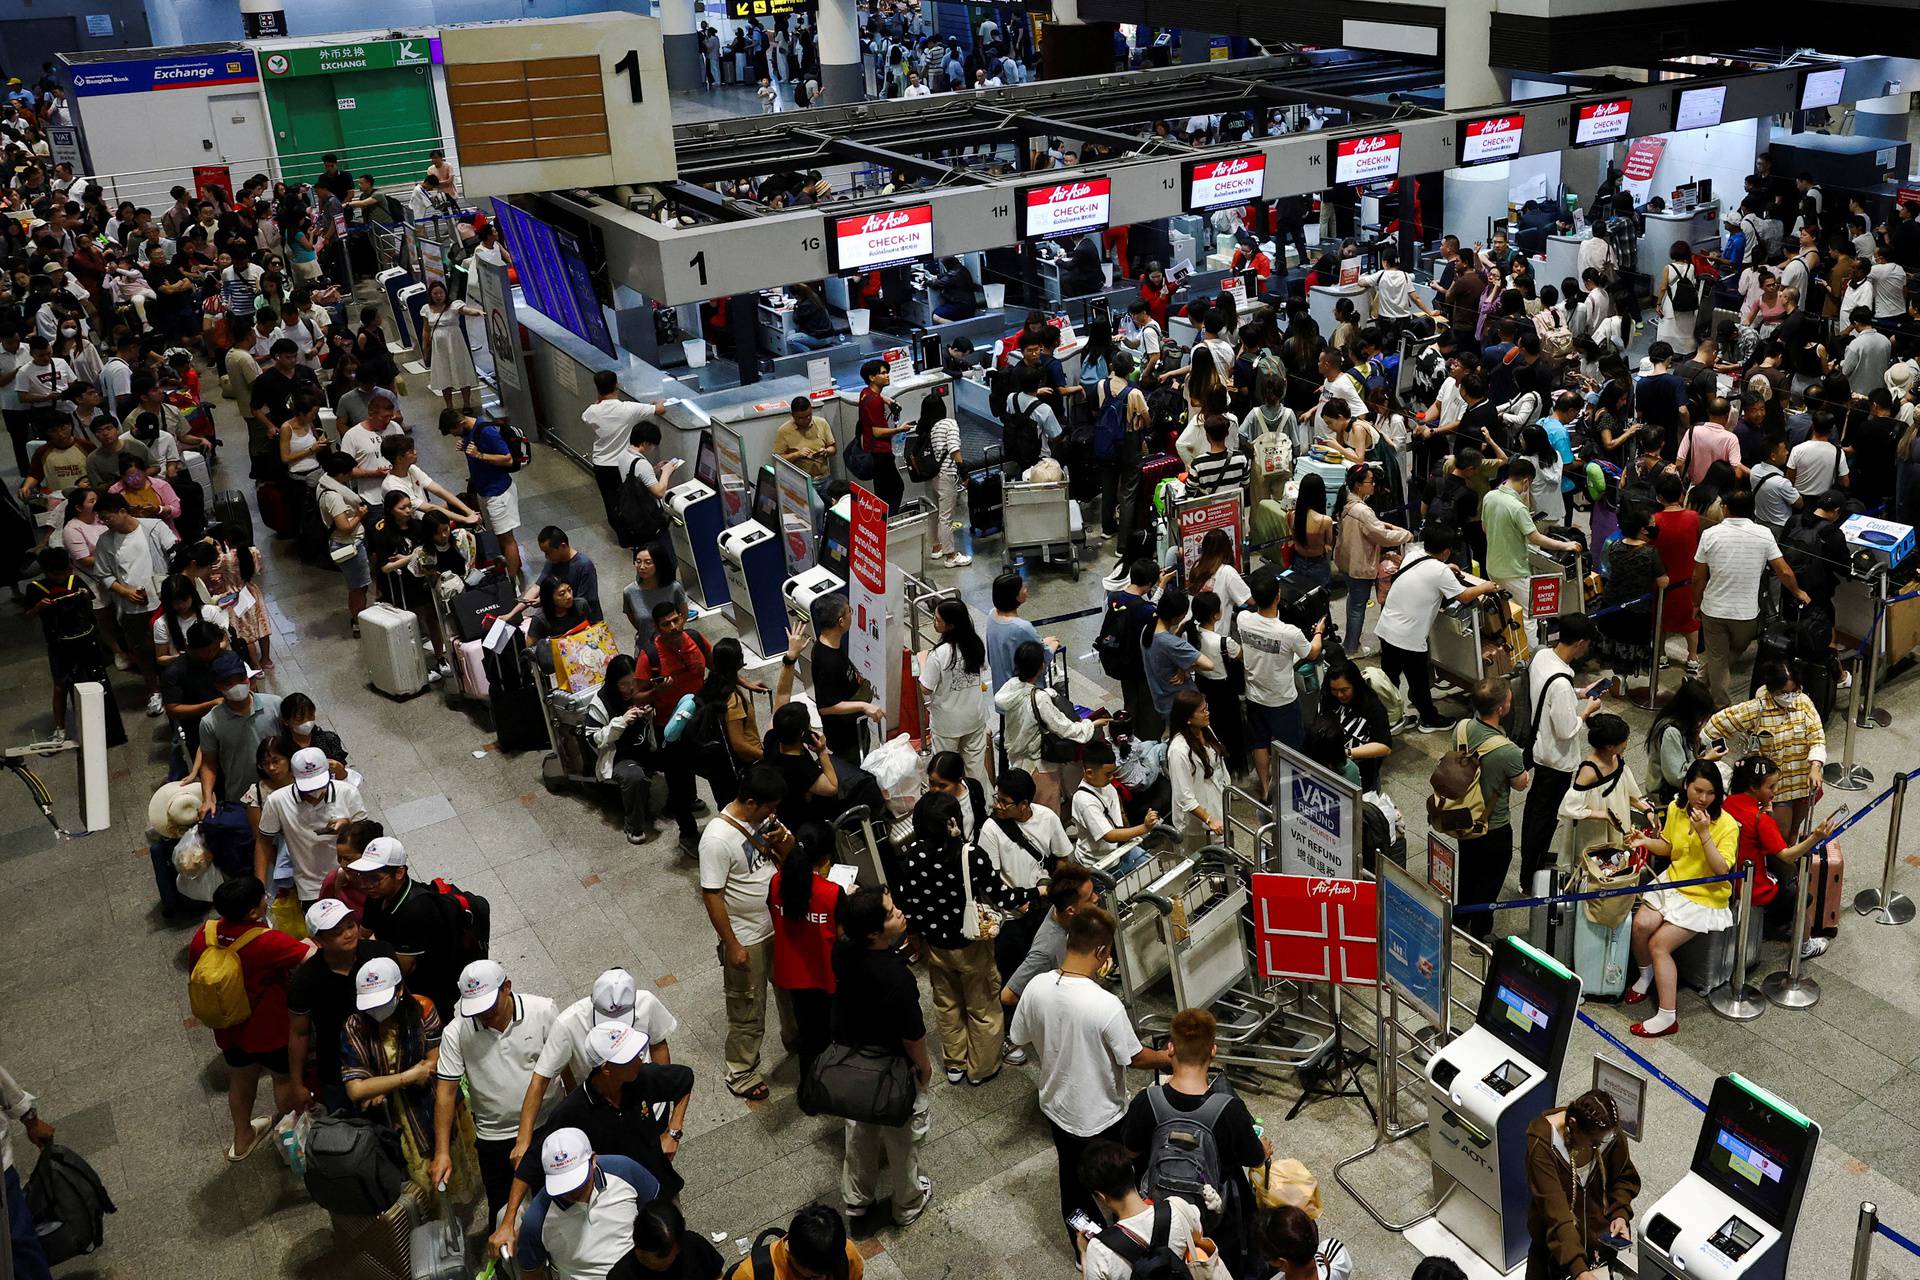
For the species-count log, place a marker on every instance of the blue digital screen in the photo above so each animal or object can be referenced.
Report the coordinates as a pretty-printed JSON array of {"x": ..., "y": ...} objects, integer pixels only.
[{"x": 554, "y": 277}]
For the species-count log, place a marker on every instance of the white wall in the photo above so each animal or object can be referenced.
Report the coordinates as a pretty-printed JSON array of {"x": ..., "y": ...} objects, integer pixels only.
[
  {"x": 1724, "y": 154},
  {"x": 1473, "y": 196},
  {"x": 154, "y": 139}
]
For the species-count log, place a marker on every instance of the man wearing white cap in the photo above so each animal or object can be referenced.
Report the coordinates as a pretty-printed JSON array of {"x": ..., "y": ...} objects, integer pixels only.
[
  {"x": 320, "y": 999},
  {"x": 615, "y": 998},
  {"x": 307, "y": 815},
  {"x": 418, "y": 923},
  {"x": 493, "y": 1044},
  {"x": 581, "y": 1222},
  {"x": 614, "y": 1108}
]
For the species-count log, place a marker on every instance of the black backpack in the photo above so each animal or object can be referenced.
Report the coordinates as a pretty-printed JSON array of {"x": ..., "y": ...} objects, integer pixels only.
[
  {"x": 1121, "y": 642},
  {"x": 69, "y": 1204},
  {"x": 354, "y": 1166},
  {"x": 638, "y": 517},
  {"x": 1802, "y": 550},
  {"x": 519, "y": 447},
  {"x": 1685, "y": 290},
  {"x": 921, "y": 464},
  {"x": 1020, "y": 435},
  {"x": 1153, "y": 1258}
]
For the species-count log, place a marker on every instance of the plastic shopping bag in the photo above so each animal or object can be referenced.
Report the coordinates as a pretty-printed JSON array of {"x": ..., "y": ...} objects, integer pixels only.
[
  {"x": 895, "y": 765},
  {"x": 290, "y": 1134}
]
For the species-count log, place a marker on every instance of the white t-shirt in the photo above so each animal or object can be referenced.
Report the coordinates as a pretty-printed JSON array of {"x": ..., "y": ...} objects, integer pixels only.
[
  {"x": 1102, "y": 1263},
  {"x": 1413, "y": 602},
  {"x": 956, "y": 697},
  {"x": 1016, "y": 862},
  {"x": 741, "y": 874},
  {"x": 413, "y": 484},
  {"x": 212, "y": 613},
  {"x": 1085, "y": 1041},
  {"x": 498, "y": 1064},
  {"x": 566, "y": 1043},
  {"x": 10, "y": 393},
  {"x": 1232, "y": 590},
  {"x": 613, "y": 422},
  {"x": 1736, "y": 552},
  {"x": 1889, "y": 289},
  {"x": 1817, "y": 466},
  {"x": 303, "y": 335},
  {"x": 1393, "y": 292},
  {"x": 1270, "y": 647},
  {"x": 301, "y": 825},
  {"x": 363, "y": 445},
  {"x": 1096, "y": 811}
]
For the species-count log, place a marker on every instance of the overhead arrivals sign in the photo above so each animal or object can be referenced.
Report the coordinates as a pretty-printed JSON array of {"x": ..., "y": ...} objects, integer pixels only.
[
  {"x": 884, "y": 238},
  {"x": 1216, "y": 184},
  {"x": 1065, "y": 208},
  {"x": 359, "y": 55}
]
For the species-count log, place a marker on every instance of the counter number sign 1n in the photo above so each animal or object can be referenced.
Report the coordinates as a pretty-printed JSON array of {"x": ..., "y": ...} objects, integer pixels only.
[{"x": 1373, "y": 157}]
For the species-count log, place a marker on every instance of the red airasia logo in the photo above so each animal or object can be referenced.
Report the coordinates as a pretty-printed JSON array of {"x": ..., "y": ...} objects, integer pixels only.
[
  {"x": 1499, "y": 124},
  {"x": 1075, "y": 191}
]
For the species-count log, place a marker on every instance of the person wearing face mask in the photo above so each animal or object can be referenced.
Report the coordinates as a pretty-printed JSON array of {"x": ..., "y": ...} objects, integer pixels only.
[
  {"x": 1085, "y": 1042},
  {"x": 130, "y": 560},
  {"x": 1582, "y": 1182},
  {"x": 300, "y": 720},
  {"x": 258, "y": 1042},
  {"x": 1785, "y": 726},
  {"x": 308, "y": 815},
  {"x": 389, "y": 1053},
  {"x": 230, "y": 735}
]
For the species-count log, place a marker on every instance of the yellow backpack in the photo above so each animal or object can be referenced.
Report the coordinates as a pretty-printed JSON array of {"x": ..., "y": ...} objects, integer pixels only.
[{"x": 217, "y": 988}]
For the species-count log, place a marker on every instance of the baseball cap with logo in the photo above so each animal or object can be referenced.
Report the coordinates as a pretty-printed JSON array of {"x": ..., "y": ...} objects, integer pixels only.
[
  {"x": 613, "y": 997},
  {"x": 566, "y": 1157},
  {"x": 328, "y": 913},
  {"x": 381, "y": 852},
  {"x": 480, "y": 984},
  {"x": 616, "y": 1043},
  {"x": 310, "y": 769},
  {"x": 376, "y": 983}
]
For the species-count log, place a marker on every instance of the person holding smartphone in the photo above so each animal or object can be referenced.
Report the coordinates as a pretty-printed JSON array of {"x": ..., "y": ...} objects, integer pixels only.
[
  {"x": 1560, "y": 711},
  {"x": 1582, "y": 1184}
]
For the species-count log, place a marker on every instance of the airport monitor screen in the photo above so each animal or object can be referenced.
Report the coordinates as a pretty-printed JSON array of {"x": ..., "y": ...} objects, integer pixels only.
[
  {"x": 1822, "y": 87},
  {"x": 1598, "y": 122},
  {"x": 1699, "y": 108},
  {"x": 883, "y": 238},
  {"x": 1228, "y": 180},
  {"x": 1373, "y": 157},
  {"x": 1491, "y": 138},
  {"x": 1067, "y": 207}
]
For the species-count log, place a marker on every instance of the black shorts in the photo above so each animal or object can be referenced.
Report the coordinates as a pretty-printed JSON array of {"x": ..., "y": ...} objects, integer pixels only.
[
  {"x": 72, "y": 661},
  {"x": 274, "y": 1060}
]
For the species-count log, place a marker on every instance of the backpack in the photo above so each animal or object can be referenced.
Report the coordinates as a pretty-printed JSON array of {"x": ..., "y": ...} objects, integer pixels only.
[
  {"x": 1684, "y": 292},
  {"x": 1120, "y": 644},
  {"x": 1387, "y": 689},
  {"x": 354, "y": 1166},
  {"x": 1152, "y": 1258},
  {"x": 637, "y": 515},
  {"x": 68, "y": 1203},
  {"x": 1110, "y": 428},
  {"x": 519, "y": 448},
  {"x": 1020, "y": 435},
  {"x": 999, "y": 389},
  {"x": 692, "y": 719},
  {"x": 1183, "y": 1156},
  {"x": 1458, "y": 805},
  {"x": 217, "y": 989},
  {"x": 759, "y": 1263},
  {"x": 474, "y": 917},
  {"x": 1539, "y": 709},
  {"x": 921, "y": 464}
]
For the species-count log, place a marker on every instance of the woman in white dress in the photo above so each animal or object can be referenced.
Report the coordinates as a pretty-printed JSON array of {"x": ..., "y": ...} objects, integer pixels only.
[
  {"x": 1676, "y": 325},
  {"x": 449, "y": 360}
]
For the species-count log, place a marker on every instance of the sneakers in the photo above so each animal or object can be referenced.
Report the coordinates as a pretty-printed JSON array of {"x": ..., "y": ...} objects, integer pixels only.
[
  {"x": 435, "y": 674},
  {"x": 60, "y": 735},
  {"x": 1693, "y": 671},
  {"x": 1012, "y": 1054},
  {"x": 1813, "y": 947},
  {"x": 121, "y": 662},
  {"x": 958, "y": 561},
  {"x": 1433, "y": 726},
  {"x": 909, "y": 1217},
  {"x": 1405, "y": 723},
  {"x": 154, "y": 706},
  {"x": 639, "y": 837},
  {"x": 955, "y": 1075}
]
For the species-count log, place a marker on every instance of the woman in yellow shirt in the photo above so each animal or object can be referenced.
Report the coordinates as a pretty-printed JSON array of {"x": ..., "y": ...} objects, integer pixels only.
[{"x": 1701, "y": 841}]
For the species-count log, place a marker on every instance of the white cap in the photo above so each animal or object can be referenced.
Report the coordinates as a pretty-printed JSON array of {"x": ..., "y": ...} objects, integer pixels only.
[
  {"x": 381, "y": 852},
  {"x": 328, "y": 913},
  {"x": 480, "y": 984},
  {"x": 613, "y": 997},
  {"x": 310, "y": 769},
  {"x": 616, "y": 1043},
  {"x": 376, "y": 983},
  {"x": 567, "y": 1158}
]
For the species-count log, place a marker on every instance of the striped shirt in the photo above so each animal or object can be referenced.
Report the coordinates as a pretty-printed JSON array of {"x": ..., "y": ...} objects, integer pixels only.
[{"x": 1227, "y": 469}]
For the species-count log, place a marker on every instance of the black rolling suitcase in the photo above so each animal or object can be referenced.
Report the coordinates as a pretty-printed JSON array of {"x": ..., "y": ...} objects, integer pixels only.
[
  {"x": 230, "y": 509},
  {"x": 514, "y": 689},
  {"x": 986, "y": 488}
]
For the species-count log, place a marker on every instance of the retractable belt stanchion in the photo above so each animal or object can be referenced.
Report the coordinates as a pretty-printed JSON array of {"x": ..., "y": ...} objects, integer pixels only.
[
  {"x": 1737, "y": 1000},
  {"x": 1870, "y": 716},
  {"x": 1863, "y": 1240},
  {"x": 1883, "y": 905},
  {"x": 1788, "y": 988},
  {"x": 1649, "y": 698},
  {"x": 1846, "y": 775}
]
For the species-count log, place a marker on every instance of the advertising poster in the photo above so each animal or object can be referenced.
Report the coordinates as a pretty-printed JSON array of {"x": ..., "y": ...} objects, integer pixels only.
[
  {"x": 1643, "y": 157},
  {"x": 1319, "y": 817},
  {"x": 1413, "y": 941},
  {"x": 503, "y": 331},
  {"x": 729, "y": 454},
  {"x": 794, "y": 490},
  {"x": 867, "y": 587},
  {"x": 1199, "y": 517},
  {"x": 208, "y": 176},
  {"x": 1443, "y": 859},
  {"x": 1316, "y": 929}
]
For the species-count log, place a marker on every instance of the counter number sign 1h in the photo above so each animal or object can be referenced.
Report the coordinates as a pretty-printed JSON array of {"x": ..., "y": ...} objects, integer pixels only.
[
  {"x": 1597, "y": 122},
  {"x": 1373, "y": 157},
  {"x": 1490, "y": 139},
  {"x": 1226, "y": 181},
  {"x": 883, "y": 238},
  {"x": 1065, "y": 208}
]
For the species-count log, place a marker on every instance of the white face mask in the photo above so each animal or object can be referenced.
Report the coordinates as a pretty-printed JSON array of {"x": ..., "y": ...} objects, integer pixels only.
[
  {"x": 385, "y": 1011},
  {"x": 237, "y": 693},
  {"x": 304, "y": 727}
]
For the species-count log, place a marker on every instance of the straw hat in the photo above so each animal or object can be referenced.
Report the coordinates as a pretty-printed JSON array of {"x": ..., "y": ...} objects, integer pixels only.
[{"x": 174, "y": 808}]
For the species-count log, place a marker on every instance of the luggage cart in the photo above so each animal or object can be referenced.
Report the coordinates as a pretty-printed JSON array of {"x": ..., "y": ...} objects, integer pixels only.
[
  {"x": 858, "y": 836},
  {"x": 1043, "y": 518},
  {"x": 1571, "y": 569},
  {"x": 1140, "y": 959}
]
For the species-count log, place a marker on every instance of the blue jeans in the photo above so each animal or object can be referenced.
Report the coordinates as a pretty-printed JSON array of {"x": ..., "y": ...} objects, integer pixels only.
[
  {"x": 1317, "y": 570},
  {"x": 1358, "y": 593},
  {"x": 165, "y": 878},
  {"x": 29, "y": 1259},
  {"x": 807, "y": 342}
]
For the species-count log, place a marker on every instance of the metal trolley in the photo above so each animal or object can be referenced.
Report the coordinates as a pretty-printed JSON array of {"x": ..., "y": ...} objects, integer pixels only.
[{"x": 1042, "y": 517}]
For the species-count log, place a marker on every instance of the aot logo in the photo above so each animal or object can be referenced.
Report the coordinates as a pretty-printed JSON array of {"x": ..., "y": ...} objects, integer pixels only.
[{"x": 1316, "y": 803}]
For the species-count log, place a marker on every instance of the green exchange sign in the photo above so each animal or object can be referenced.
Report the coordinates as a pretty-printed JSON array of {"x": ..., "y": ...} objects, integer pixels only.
[{"x": 360, "y": 55}]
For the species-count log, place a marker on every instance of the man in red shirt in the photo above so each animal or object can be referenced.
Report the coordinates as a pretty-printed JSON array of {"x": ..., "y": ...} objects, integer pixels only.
[
  {"x": 877, "y": 430},
  {"x": 674, "y": 664},
  {"x": 267, "y": 958}
]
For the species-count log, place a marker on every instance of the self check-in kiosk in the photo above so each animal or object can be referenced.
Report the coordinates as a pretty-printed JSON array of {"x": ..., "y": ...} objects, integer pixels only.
[
  {"x": 695, "y": 518},
  {"x": 1732, "y": 1216},
  {"x": 1485, "y": 1087},
  {"x": 755, "y": 567}
]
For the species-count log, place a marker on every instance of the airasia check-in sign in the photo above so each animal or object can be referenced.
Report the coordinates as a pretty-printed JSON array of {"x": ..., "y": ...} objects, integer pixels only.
[
  {"x": 1372, "y": 158},
  {"x": 1215, "y": 184},
  {"x": 1066, "y": 208},
  {"x": 1601, "y": 121},
  {"x": 1495, "y": 138},
  {"x": 884, "y": 238}
]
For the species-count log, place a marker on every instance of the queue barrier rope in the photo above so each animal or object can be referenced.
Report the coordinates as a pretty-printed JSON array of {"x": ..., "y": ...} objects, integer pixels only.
[
  {"x": 1516, "y": 904},
  {"x": 1881, "y": 1228},
  {"x": 1639, "y": 1060}
]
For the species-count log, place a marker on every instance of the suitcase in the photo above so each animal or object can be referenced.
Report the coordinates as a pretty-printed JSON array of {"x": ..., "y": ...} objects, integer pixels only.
[
  {"x": 193, "y": 463},
  {"x": 390, "y": 649},
  {"x": 1825, "y": 883},
  {"x": 276, "y": 506},
  {"x": 1705, "y": 963},
  {"x": 437, "y": 1249},
  {"x": 379, "y": 1247},
  {"x": 468, "y": 660},
  {"x": 1819, "y": 679},
  {"x": 1601, "y": 955},
  {"x": 514, "y": 689},
  {"x": 475, "y": 609},
  {"x": 191, "y": 523},
  {"x": 986, "y": 514},
  {"x": 230, "y": 509}
]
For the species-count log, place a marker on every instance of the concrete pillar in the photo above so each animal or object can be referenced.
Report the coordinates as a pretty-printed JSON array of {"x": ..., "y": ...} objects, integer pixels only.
[
  {"x": 1469, "y": 48},
  {"x": 679, "y": 33},
  {"x": 841, "y": 76}
]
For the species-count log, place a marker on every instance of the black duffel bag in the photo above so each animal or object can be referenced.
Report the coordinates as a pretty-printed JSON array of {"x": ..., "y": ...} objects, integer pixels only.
[
  {"x": 355, "y": 1167},
  {"x": 869, "y": 1085}
]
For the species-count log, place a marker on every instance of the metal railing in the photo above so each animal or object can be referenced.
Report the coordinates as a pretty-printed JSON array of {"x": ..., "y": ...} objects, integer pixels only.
[{"x": 396, "y": 166}]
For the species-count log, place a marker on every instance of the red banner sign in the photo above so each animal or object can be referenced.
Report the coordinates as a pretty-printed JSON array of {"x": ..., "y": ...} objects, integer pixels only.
[
  {"x": 1314, "y": 929},
  {"x": 1543, "y": 594}
]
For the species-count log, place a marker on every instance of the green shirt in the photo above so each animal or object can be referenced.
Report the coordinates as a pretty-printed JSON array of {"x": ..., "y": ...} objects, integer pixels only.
[
  {"x": 1509, "y": 524},
  {"x": 1498, "y": 769}
]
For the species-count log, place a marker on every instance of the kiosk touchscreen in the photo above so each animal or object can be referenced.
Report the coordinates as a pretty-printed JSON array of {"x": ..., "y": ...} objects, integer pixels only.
[
  {"x": 1485, "y": 1087},
  {"x": 1732, "y": 1216}
]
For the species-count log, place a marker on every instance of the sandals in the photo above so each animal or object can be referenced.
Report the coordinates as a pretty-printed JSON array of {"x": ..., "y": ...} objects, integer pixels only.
[
  {"x": 759, "y": 1093},
  {"x": 260, "y": 1126}
]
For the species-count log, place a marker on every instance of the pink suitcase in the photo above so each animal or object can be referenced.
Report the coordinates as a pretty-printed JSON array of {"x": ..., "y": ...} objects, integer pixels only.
[{"x": 473, "y": 673}]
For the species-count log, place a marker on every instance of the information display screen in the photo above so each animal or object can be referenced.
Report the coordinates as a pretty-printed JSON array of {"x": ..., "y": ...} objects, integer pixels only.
[
  {"x": 1528, "y": 1003},
  {"x": 1217, "y": 184},
  {"x": 1754, "y": 1151},
  {"x": 1597, "y": 122},
  {"x": 1065, "y": 208},
  {"x": 1494, "y": 138},
  {"x": 1374, "y": 157},
  {"x": 1699, "y": 108},
  {"x": 555, "y": 279},
  {"x": 884, "y": 238},
  {"x": 1821, "y": 88},
  {"x": 706, "y": 465}
]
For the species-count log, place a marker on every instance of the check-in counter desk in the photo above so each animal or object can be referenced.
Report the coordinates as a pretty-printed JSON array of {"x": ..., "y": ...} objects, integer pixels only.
[
  {"x": 1700, "y": 227},
  {"x": 1322, "y": 298},
  {"x": 1563, "y": 260}
]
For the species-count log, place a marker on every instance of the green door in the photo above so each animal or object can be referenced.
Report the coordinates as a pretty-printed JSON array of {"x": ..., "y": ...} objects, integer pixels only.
[{"x": 380, "y": 122}]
